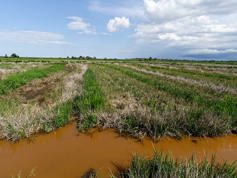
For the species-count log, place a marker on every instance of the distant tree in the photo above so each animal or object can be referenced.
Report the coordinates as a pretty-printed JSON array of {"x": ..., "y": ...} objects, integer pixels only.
[
  {"x": 88, "y": 57},
  {"x": 14, "y": 55},
  {"x": 150, "y": 58},
  {"x": 6, "y": 56}
]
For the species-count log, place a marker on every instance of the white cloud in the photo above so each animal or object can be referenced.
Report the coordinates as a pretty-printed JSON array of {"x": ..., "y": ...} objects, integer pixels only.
[
  {"x": 205, "y": 26},
  {"x": 32, "y": 37},
  {"x": 170, "y": 9},
  {"x": 78, "y": 24},
  {"x": 174, "y": 9},
  {"x": 117, "y": 24},
  {"x": 212, "y": 51}
]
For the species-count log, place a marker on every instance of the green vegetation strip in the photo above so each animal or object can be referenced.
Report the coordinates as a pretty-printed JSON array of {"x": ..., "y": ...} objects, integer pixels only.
[
  {"x": 225, "y": 107},
  {"x": 5, "y": 65},
  {"x": 83, "y": 106},
  {"x": 159, "y": 113},
  {"x": 195, "y": 74},
  {"x": 16, "y": 80},
  {"x": 62, "y": 114},
  {"x": 91, "y": 100},
  {"x": 163, "y": 166}
]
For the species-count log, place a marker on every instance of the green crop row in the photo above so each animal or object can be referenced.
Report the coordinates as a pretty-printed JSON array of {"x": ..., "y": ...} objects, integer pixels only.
[
  {"x": 16, "y": 80},
  {"x": 213, "y": 77},
  {"x": 90, "y": 101},
  {"x": 224, "y": 107}
]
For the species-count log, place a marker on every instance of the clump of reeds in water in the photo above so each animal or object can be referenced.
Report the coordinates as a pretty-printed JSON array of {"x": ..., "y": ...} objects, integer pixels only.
[{"x": 166, "y": 167}]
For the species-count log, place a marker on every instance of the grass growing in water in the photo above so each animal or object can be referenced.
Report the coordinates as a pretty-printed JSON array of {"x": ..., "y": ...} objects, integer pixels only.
[
  {"x": 163, "y": 166},
  {"x": 89, "y": 102},
  {"x": 16, "y": 80}
]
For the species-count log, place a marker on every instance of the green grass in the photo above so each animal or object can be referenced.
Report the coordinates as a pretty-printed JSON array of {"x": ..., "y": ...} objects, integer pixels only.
[
  {"x": 163, "y": 166},
  {"x": 16, "y": 80},
  {"x": 156, "y": 113},
  {"x": 82, "y": 106},
  {"x": 5, "y": 65},
  {"x": 217, "y": 78},
  {"x": 62, "y": 113},
  {"x": 143, "y": 104},
  {"x": 225, "y": 107},
  {"x": 48, "y": 111},
  {"x": 90, "y": 101}
]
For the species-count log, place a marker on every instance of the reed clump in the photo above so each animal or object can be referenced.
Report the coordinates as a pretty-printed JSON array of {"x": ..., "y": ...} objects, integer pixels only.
[{"x": 163, "y": 166}]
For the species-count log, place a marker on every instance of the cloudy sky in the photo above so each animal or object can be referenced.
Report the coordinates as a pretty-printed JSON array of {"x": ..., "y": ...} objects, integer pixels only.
[{"x": 204, "y": 29}]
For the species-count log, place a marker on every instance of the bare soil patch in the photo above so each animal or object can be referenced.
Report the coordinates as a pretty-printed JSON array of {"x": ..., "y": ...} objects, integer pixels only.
[{"x": 38, "y": 89}]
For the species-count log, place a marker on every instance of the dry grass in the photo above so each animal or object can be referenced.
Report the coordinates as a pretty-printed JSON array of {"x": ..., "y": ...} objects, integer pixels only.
[
  {"x": 26, "y": 119},
  {"x": 166, "y": 167},
  {"x": 135, "y": 111},
  {"x": 201, "y": 83}
]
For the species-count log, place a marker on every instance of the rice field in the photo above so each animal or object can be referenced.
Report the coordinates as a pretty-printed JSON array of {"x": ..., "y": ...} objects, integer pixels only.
[{"x": 136, "y": 98}]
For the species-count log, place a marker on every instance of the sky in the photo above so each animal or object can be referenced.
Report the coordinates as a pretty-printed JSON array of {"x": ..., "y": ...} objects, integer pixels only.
[{"x": 183, "y": 29}]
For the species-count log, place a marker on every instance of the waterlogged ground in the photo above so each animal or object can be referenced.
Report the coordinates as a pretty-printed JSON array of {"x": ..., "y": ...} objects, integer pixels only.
[
  {"x": 184, "y": 99},
  {"x": 64, "y": 153}
]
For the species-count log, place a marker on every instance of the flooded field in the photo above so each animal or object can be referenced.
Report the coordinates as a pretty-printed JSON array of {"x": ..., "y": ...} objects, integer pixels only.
[
  {"x": 64, "y": 153},
  {"x": 195, "y": 103}
]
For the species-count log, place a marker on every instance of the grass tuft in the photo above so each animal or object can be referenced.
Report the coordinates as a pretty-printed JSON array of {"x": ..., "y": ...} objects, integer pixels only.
[{"x": 164, "y": 166}]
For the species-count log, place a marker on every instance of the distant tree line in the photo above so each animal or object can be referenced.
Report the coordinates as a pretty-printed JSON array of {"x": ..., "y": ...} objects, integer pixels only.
[
  {"x": 82, "y": 57},
  {"x": 87, "y": 58},
  {"x": 13, "y": 55}
]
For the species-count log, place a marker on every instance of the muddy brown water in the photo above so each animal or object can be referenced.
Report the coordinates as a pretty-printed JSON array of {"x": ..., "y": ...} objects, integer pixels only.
[{"x": 64, "y": 153}]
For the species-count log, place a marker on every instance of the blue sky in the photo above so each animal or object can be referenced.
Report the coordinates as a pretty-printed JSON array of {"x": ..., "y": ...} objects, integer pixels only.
[{"x": 120, "y": 29}]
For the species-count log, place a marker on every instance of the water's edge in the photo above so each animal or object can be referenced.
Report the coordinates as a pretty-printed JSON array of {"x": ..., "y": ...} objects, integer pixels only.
[{"x": 64, "y": 153}]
